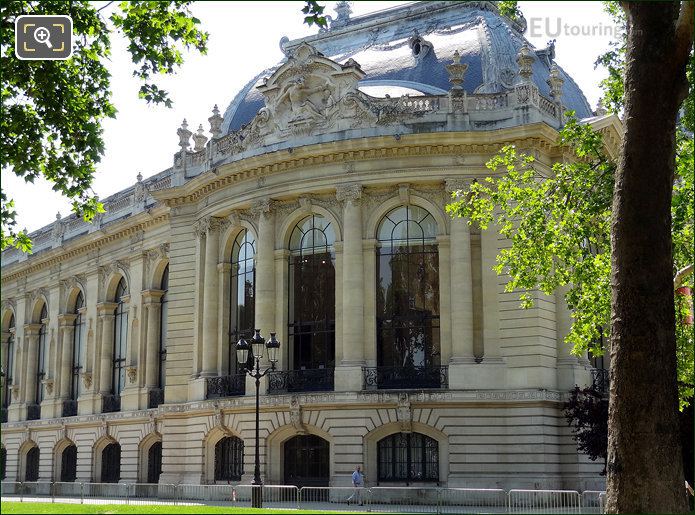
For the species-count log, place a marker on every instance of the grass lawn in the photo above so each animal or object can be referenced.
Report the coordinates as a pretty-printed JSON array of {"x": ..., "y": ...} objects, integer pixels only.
[{"x": 46, "y": 507}]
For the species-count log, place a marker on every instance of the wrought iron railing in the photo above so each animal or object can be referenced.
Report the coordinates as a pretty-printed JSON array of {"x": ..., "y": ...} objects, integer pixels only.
[
  {"x": 69, "y": 408},
  {"x": 404, "y": 378},
  {"x": 33, "y": 412},
  {"x": 111, "y": 403},
  {"x": 600, "y": 380},
  {"x": 308, "y": 380},
  {"x": 3, "y": 414},
  {"x": 155, "y": 397},
  {"x": 225, "y": 386}
]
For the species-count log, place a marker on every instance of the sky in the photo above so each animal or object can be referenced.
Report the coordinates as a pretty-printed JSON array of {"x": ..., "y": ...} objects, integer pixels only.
[{"x": 244, "y": 39}]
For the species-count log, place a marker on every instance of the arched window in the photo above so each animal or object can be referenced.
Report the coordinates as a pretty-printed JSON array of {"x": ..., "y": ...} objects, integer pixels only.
[
  {"x": 163, "y": 328},
  {"x": 312, "y": 294},
  {"x": 408, "y": 346},
  {"x": 68, "y": 464},
  {"x": 120, "y": 339},
  {"x": 31, "y": 470},
  {"x": 243, "y": 292},
  {"x": 41, "y": 356},
  {"x": 111, "y": 463},
  {"x": 409, "y": 457},
  {"x": 7, "y": 382},
  {"x": 154, "y": 462},
  {"x": 78, "y": 348},
  {"x": 229, "y": 459},
  {"x": 306, "y": 461}
]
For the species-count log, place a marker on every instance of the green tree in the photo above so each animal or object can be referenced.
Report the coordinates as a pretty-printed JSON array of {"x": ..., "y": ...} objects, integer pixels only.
[{"x": 52, "y": 111}]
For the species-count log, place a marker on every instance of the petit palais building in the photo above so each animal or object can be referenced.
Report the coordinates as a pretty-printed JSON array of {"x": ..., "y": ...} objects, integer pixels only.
[{"x": 312, "y": 207}]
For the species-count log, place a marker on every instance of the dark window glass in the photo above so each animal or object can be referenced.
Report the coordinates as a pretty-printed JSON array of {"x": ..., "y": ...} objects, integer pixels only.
[
  {"x": 111, "y": 463},
  {"x": 68, "y": 464},
  {"x": 307, "y": 461},
  {"x": 3, "y": 462},
  {"x": 31, "y": 472},
  {"x": 78, "y": 348},
  {"x": 163, "y": 328},
  {"x": 312, "y": 294},
  {"x": 408, "y": 457},
  {"x": 120, "y": 342},
  {"x": 243, "y": 292},
  {"x": 407, "y": 290},
  {"x": 41, "y": 356},
  {"x": 154, "y": 462},
  {"x": 9, "y": 369},
  {"x": 229, "y": 459}
]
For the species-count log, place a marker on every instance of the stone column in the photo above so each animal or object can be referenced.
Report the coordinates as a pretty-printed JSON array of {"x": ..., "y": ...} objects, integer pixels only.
[
  {"x": 67, "y": 325},
  {"x": 224, "y": 275},
  {"x": 106, "y": 316},
  {"x": 210, "y": 300},
  {"x": 462, "y": 357},
  {"x": 152, "y": 299},
  {"x": 31, "y": 344},
  {"x": 265, "y": 269},
  {"x": 348, "y": 374}
]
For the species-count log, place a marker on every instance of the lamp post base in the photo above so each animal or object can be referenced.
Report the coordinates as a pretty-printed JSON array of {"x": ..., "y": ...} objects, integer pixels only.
[{"x": 256, "y": 496}]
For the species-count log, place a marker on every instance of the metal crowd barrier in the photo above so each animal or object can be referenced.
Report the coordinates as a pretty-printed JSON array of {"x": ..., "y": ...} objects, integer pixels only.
[{"x": 378, "y": 499}]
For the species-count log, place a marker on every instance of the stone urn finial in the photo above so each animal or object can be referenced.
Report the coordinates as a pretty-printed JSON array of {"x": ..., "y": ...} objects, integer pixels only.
[
  {"x": 457, "y": 71},
  {"x": 525, "y": 61},
  {"x": 184, "y": 135},
  {"x": 555, "y": 81},
  {"x": 199, "y": 139},
  {"x": 215, "y": 123}
]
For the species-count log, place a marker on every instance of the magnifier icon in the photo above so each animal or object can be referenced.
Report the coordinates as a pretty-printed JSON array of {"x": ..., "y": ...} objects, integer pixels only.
[{"x": 43, "y": 35}]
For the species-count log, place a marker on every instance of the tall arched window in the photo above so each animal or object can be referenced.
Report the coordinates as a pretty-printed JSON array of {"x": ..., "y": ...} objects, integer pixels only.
[
  {"x": 111, "y": 463},
  {"x": 120, "y": 341},
  {"x": 31, "y": 470},
  {"x": 41, "y": 356},
  {"x": 154, "y": 462},
  {"x": 229, "y": 459},
  {"x": 312, "y": 295},
  {"x": 78, "y": 347},
  {"x": 7, "y": 383},
  {"x": 163, "y": 328},
  {"x": 408, "y": 457},
  {"x": 243, "y": 292},
  {"x": 408, "y": 346},
  {"x": 68, "y": 464}
]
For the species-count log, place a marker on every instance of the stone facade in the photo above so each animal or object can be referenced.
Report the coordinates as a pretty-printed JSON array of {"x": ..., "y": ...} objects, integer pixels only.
[{"x": 322, "y": 147}]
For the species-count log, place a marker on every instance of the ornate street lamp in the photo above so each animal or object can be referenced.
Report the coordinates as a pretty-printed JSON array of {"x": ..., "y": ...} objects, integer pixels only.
[{"x": 258, "y": 345}]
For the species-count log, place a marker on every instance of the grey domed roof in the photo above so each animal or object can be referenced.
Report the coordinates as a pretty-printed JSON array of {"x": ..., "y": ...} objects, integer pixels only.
[{"x": 410, "y": 46}]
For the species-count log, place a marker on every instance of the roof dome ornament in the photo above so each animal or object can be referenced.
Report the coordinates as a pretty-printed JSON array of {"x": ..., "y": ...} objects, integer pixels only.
[
  {"x": 343, "y": 10},
  {"x": 200, "y": 139},
  {"x": 184, "y": 136},
  {"x": 215, "y": 123},
  {"x": 419, "y": 46},
  {"x": 525, "y": 61},
  {"x": 457, "y": 71},
  {"x": 555, "y": 81}
]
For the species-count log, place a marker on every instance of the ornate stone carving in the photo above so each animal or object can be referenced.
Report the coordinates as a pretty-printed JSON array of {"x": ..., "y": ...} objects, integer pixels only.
[
  {"x": 457, "y": 71},
  {"x": 199, "y": 139},
  {"x": 555, "y": 81},
  {"x": 454, "y": 184},
  {"x": 132, "y": 374},
  {"x": 305, "y": 92},
  {"x": 140, "y": 190},
  {"x": 404, "y": 193},
  {"x": 48, "y": 385},
  {"x": 184, "y": 136},
  {"x": 296, "y": 415},
  {"x": 215, "y": 123},
  {"x": 264, "y": 206},
  {"x": 86, "y": 379},
  {"x": 15, "y": 392},
  {"x": 525, "y": 61},
  {"x": 348, "y": 192},
  {"x": 404, "y": 413}
]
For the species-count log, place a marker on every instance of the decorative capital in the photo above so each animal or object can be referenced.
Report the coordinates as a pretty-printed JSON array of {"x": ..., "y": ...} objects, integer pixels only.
[
  {"x": 132, "y": 374},
  {"x": 455, "y": 184},
  {"x": 87, "y": 379},
  {"x": 263, "y": 206},
  {"x": 348, "y": 192},
  {"x": 48, "y": 385}
]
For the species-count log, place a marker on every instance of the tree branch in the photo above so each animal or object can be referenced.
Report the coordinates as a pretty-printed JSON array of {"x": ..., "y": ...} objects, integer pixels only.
[
  {"x": 681, "y": 275},
  {"x": 104, "y": 6},
  {"x": 684, "y": 30}
]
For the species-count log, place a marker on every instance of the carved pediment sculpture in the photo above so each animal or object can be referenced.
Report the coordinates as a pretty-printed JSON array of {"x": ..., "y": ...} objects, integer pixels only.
[{"x": 305, "y": 93}]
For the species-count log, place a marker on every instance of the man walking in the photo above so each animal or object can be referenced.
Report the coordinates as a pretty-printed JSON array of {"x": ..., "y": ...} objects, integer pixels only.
[{"x": 357, "y": 483}]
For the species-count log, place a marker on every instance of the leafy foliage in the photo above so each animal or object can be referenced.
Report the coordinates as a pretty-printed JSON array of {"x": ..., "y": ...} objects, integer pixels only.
[
  {"x": 53, "y": 110},
  {"x": 586, "y": 411},
  {"x": 313, "y": 12},
  {"x": 509, "y": 8}
]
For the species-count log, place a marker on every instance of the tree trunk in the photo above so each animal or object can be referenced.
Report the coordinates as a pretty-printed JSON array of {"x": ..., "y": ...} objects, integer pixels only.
[{"x": 645, "y": 472}]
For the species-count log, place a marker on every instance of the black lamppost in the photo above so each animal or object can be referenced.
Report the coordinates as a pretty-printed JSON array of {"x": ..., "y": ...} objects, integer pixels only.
[{"x": 242, "y": 353}]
